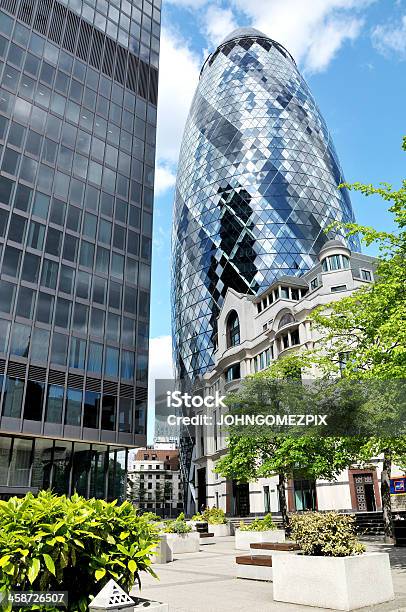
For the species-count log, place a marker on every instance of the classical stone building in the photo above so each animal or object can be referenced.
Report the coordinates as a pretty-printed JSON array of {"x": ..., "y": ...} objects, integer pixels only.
[
  {"x": 252, "y": 333},
  {"x": 154, "y": 480}
]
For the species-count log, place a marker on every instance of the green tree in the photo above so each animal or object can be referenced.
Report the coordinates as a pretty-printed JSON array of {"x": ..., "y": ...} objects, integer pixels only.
[
  {"x": 370, "y": 327},
  {"x": 262, "y": 452}
]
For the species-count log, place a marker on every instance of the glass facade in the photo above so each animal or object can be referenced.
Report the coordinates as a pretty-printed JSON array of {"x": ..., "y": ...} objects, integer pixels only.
[
  {"x": 78, "y": 96},
  {"x": 256, "y": 188},
  {"x": 67, "y": 467}
]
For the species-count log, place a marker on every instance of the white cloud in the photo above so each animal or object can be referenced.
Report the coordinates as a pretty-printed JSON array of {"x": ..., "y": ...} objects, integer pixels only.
[
  {"x": 165, "y": 178},
  {"x": 178, "y": 77},
  {"x": 219, "y": 22},
  {"x": 160, "y": 367},
  {"x": 160, "y": 358},
  {"x": 313, "y": 31},
  {"x": 391, "y": 38}
]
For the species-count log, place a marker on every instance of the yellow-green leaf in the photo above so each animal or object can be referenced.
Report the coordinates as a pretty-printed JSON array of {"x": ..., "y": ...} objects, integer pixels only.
[
  {"x": 4, "y": 560},
  {"x": 33, "y": 570},
  {"x": 100, "y": 573},
  {"x": 132, "y": 566},
  {"x": 49, "y": 563},
  {"x": 124, "y": 535}
]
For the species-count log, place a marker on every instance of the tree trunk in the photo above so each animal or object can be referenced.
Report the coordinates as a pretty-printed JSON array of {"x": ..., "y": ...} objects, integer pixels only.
[
  {"x": 386, "y": 500},
  {"x": 282, "y": 501}
]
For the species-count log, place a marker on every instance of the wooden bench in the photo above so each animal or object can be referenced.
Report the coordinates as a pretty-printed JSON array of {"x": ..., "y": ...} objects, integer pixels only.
[
  {"x": 264, "y": 548},
  {"x": 206, "y": 535},
  {"x": 254, "y": 567}
]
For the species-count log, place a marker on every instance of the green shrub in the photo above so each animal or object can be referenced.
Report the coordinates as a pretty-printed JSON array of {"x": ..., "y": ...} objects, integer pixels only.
[
  {"x": 265, "y": 524},
  {"x": 179, "y": 525},
  {"x": 212, "y": 516},
  {"x": 328, "y": 534},
  {"x": 52, "y": 543},
  {"x": 151, "y": 517}
]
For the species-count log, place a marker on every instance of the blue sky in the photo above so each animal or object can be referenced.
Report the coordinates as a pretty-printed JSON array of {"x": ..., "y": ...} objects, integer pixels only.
[{"x": 351, "y": 52}]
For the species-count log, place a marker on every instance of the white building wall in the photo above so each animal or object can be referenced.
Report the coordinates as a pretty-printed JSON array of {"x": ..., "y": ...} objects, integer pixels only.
[{"x": 260, "y": 331}]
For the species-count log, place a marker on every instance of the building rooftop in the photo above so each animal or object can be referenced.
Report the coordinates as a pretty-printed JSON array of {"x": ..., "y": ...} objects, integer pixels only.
[{"x": 243, "y": 33}]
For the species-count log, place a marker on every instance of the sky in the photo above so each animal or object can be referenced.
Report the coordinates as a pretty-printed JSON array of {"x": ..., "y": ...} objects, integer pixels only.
[{"x": 352, "y": 54}]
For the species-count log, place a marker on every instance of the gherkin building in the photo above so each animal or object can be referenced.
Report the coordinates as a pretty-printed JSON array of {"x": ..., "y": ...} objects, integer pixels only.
[{"x": 257, "y": 185}]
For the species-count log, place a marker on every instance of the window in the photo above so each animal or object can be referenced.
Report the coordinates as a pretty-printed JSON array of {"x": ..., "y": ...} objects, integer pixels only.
[
  {"x": 25, "y": 303},
  {"x": 314, "y": 283},
  {"x": 13, "y": 397},
  {"x": 285, "y": 292},
  {"x": 91, "y": 410},
  {"x": 73, "y": 407},
  {"x": 338, "y": 288},
  {"x": 77, "y": 353},
  {"x": 39, "y": 345},
  {"x": 233, "y": 329},
  {"x": 20, "y": 340},
  {"x": 366, "y": 275},
  {"x": 34, "y": 397},
  {"x": 109, "y": 412},
  {"x": 54, "y": 404},
  {"x": 59, "y": 349},
  {"x": 286, "y": 319},
  {"x": 94, "y": 358},
  {"x": 335, "y": 262},
  {"x": 233, "y": 373},
  {"x": 7, "y": 293},
  {"x": 45, "y": 308},
  {"x": 294, "y": 337}
]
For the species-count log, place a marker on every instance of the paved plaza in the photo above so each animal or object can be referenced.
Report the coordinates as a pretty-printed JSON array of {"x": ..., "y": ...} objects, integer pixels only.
[{"x": 205, "y": 582}]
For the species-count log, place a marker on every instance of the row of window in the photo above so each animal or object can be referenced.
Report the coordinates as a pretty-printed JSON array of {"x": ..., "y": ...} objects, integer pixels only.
[
  {"x": 69, "y": 80},
  {"x": 263, "y": 360},
  {"x": 74, "y": 219},
  {"x": 128, "y": 299},
  {"x": 101, "y": 177},
  {"x": 56, "y": 242},
  {"x": 36, "y": 401},
  {"x": 39, "y": 48},
  {"x": 284, "y": 292},
  {"x": 77, "y": 353}
]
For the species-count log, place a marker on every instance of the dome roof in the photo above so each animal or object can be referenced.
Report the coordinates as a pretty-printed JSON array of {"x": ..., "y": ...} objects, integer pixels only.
[
  {"x": 331, "y": 244},
  {"x": 243, "y": 33}
]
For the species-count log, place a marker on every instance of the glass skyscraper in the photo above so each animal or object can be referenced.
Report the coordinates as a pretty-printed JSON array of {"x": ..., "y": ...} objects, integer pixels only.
[
  {"x": 77, "y": 148},
  {"x": 257, "y": 186}
]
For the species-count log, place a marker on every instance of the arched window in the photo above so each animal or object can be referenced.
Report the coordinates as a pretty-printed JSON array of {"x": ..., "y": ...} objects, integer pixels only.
[
  {"x": 233, "y": 329},
  {"x": 285, "y": 319}
]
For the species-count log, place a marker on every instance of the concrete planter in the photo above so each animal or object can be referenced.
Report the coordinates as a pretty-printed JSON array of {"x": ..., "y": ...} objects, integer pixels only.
[
  {"x": 243, "y": 539},
  {"x": 220, "y": 531},
  {"x": 183, "y": 542},
  {"x": 337, "y": 583},
  {"x": 164, "y": 553}
]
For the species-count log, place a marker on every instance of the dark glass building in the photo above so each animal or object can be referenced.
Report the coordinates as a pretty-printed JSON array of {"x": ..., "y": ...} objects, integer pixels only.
[
  {"x": 77, "y": 147},
  {"x": 256, "y": 188}
]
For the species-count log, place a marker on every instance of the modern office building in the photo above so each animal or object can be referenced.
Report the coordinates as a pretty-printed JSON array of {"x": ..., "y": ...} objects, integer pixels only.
[
  {"x": 257, "y": 186},
  {"x": 254, "y": 331},
  {"x": 78, "y": 105}
]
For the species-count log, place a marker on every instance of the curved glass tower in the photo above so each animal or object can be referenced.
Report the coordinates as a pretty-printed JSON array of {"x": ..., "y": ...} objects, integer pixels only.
[{"x": 256, "y": 187}]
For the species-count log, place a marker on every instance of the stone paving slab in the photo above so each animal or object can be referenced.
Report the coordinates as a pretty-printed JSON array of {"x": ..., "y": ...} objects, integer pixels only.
[{"x": 205, "y": 582}]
